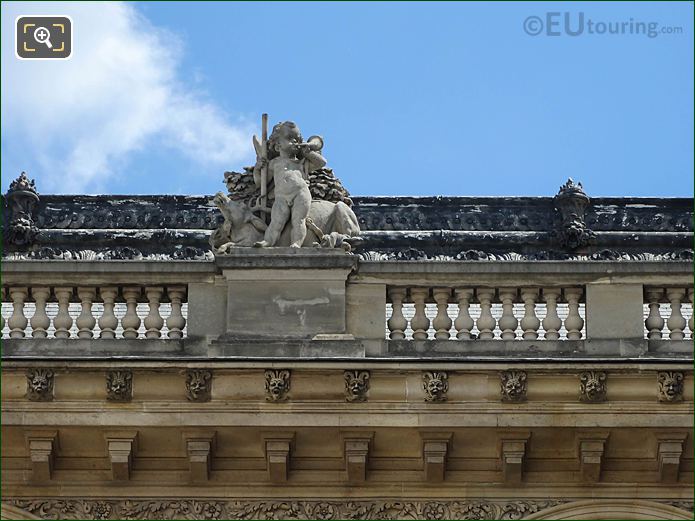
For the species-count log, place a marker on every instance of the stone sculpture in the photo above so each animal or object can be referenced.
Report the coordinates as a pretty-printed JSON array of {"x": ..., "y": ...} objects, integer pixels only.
[
  {"x": 302, "y": 214},
  {"x": 119, "y": 386},
  {"x": 356, "y": 386},
  {"x": 199, "y": 385},
  {"x": 436, "y": 385},
  {"x": 328, "y": 222},
  {"x": 592, "y": 386},
  {"x": 40, "y": 385},
  {"x": 21, "y": 199},
  {"x": 513, "y": 386},
  {"x": 277, "y": 385},
  {"x": 571, "y": 202},
  {"x": 670, "y": 386}
]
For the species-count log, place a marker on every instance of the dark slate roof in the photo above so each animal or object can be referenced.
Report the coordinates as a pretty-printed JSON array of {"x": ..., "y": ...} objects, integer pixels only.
[{"x": 404, "y": 228}]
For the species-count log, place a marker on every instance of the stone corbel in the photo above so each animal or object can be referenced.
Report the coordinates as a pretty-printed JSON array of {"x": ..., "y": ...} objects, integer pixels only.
[
  {"x": 122, "y": 446},
  {"x": 200, "y": 446},
  {"x": 435, "y": 447},
  {"x": 42, "y": 446},
  {"x": 512, "y": 447},
  {"x": 591, "y": 446},
  {"x": 670, "y": 450},
  {"x": 356, "y": 446},
  {"x": 278, "y": 448}
]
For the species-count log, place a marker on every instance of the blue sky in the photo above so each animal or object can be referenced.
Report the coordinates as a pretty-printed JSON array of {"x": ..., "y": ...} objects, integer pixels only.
[{"x": 411, "y": 98}]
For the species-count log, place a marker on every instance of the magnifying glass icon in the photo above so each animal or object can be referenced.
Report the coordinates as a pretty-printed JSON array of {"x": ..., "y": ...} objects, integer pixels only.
[{"x": 43, "y": 35}]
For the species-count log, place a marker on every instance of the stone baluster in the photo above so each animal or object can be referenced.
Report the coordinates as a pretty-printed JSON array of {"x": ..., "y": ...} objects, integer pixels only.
[
  {"x": 17, "y": 321},
  {"x": 676, "y": 322},
  {"x": 654, "y": 322},
  {"x": 486, "y": 322},
  {"x": 530, "y": 322},
  {"x": 131, "y": 320},
  {"x": 85, "y": 321},
  {"x": 397, "y": 323},
  {"x": 464, "y": 321},
  {"x": 154, "y": 321},
  {"x": 108, "y": 322},
  {"x": 508, "y": 322},
  {"x": 692, "y": 312},
  {"x": 40, "y": 321},
  {"x": 419, "y": 323},
  {"x": 574, "y": 322},
  {"x": 2, "y": 319},
  {"x": 551, "y": 322},
  {"x": 63, "y": 321},
  {"x": 176, "y": 322},
  {"x": 442, "y": 322}
]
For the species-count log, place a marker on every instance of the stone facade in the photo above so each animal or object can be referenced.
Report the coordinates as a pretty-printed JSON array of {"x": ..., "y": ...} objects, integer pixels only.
[{"x": 448, "y": 358}]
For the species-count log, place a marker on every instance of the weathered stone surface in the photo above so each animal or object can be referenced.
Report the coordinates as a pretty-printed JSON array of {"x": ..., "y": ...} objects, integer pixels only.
[{"x": 178, "y": 227}]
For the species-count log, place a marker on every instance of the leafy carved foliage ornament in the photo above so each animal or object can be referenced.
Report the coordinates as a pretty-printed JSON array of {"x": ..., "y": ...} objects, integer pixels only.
[{"x": 280, "y": 509}]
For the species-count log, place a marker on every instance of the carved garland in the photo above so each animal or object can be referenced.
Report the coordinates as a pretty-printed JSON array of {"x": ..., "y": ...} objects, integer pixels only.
[{"x": 288, "y": 509}]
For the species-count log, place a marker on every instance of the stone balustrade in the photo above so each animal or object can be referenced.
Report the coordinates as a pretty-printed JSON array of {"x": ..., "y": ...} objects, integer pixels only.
[
  {"x": 333, "y": 305},
  {"x": 94, "y": 312},
  {"x": 666, "y": 309},
  {"x": 485, "y": 313}
]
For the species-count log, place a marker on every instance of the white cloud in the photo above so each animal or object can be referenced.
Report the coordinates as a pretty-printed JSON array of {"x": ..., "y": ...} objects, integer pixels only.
[{"x": 120, "y": 91}]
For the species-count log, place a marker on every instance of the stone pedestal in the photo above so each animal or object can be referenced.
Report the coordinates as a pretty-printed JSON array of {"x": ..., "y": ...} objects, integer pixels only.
[
  {"x": 285, "y": 295},
  {"x": 614, "y": 319}
]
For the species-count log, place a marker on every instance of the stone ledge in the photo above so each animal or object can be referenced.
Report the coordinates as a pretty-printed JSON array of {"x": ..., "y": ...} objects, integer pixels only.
[
  {"x": 487, "y": 351},
  {"x": 605, "y": 268},
  {"x": 286, "y": 258}
]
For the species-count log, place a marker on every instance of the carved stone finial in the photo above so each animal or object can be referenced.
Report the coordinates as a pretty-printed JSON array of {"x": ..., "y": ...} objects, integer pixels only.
[
  {"x": 40, "y": 385},
  {"x": 21, "y": 199},
  {"x": 571, "y": 202},
  {"x": 119, "y": 386},
  {"x": 592, "y": 386},
  {"x": 436, "y": 385},
  {"x": 356, "y": 386},
  {"x": 670, "y": 386},
  {"x": 513, "y": 386},
  {"x": 570, "y": 188},
  {"x": 277, "y": 385},
  {"x": 199, "y": 385}
]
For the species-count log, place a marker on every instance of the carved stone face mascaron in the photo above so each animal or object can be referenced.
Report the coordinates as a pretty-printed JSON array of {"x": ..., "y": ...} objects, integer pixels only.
[
  {"x": 198, "y": 385},
  {"x": 436, "y": 385},
  {"x": 119, "y": 386},
  {"x": 277, "y": 384}
]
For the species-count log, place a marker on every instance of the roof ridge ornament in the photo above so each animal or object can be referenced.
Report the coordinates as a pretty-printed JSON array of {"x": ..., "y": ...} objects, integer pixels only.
[
  {"x": 21, "y": 199},
  {"x": 571, "y": 203}
]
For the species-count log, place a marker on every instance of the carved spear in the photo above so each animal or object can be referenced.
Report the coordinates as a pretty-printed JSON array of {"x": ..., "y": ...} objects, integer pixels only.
[{"x": 264, "y": 155}]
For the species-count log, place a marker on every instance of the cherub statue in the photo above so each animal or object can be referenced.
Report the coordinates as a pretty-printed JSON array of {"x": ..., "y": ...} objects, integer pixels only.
[
  {"x": 290, "y": 174},
  {"x": 309, "y": 205}
]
